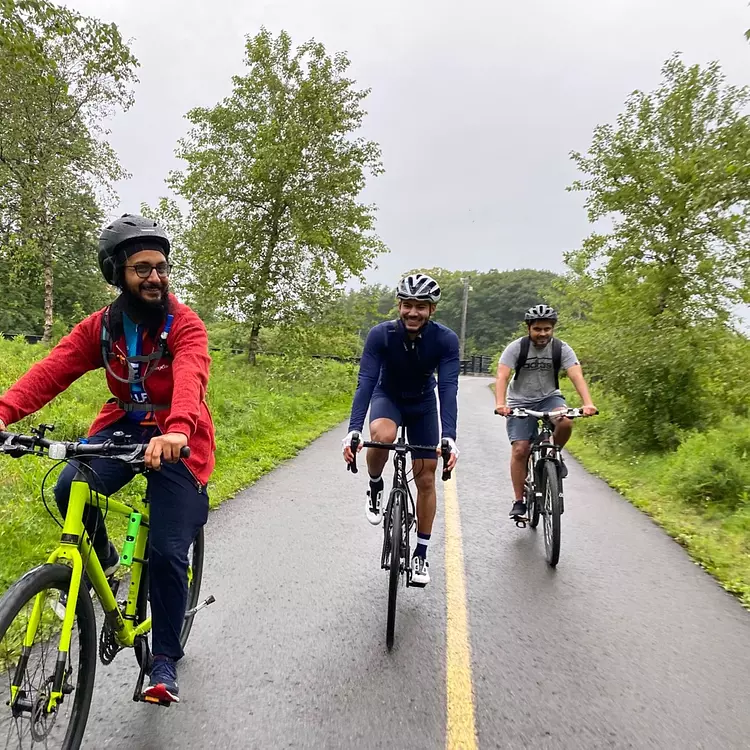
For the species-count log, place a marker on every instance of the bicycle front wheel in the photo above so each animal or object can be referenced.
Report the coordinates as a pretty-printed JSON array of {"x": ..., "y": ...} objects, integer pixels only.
[
  {"x": 551, "y": 500},
  {"x": 394, "y": 564},
  {"x": 27, "y": 673}
]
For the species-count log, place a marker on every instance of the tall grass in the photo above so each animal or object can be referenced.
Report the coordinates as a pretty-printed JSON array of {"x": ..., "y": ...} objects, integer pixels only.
[{"x": 263, "y": 415}]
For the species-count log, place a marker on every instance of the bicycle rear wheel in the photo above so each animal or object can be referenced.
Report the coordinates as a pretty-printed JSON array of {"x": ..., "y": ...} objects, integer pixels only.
[
  {"x": 551, "y": 500},
  {"x": 27, "y": 723},
  {"x": 195, "y": 576},
  {"x": 396, "y": 504}
]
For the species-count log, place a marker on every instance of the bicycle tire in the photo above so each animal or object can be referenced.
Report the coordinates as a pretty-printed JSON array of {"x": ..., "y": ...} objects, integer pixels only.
[
  {"x": 55, "y": 576},
  {"x": 394, "y": 567},
  {"x": 532, "y": 506},
  {"x": 194, "y": 588},
  {"x": 196, "y": 564},
  {"x": 551, "y": 500}
]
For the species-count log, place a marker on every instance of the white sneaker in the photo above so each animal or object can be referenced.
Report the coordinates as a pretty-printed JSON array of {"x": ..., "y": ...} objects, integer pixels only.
[
  {"x": 375, "y": 514},
  {"x": 420, "y": 571}
]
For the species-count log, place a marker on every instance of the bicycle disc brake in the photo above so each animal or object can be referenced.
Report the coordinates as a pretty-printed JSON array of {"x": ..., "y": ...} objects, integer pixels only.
[{"x": 42, "y": 721}]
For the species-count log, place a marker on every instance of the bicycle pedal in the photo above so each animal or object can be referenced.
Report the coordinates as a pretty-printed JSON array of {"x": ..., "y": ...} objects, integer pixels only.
[
  {"x": 520, "y": 521},
  {"x": 151, "y": 699}
]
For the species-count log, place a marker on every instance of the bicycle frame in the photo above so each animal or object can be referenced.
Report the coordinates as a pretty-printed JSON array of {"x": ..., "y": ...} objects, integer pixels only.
[
  {"x": 400, "y": 483},
  {"x": 543, "y": 442},
  {"x": 75, "y": 547}
]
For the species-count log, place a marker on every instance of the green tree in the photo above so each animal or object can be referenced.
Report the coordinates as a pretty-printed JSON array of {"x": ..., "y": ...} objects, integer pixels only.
[
  {"x": 673, "y": 177},
  {"x": 61, "y": 74},
  {"x": 496, "y": 304},
  {"x": 273, "y": 176},
  {"x": 79, "y": 286}
]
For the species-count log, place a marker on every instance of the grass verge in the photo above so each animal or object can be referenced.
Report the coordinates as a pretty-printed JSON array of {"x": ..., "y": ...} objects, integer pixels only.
[
  {"x": 688, "y": 492},
  {"x": 263, "y": 415},
  {"x": 714, "y": 529}
]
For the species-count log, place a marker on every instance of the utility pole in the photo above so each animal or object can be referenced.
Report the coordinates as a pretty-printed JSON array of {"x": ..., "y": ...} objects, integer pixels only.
[{"x": 463, "y": 319}]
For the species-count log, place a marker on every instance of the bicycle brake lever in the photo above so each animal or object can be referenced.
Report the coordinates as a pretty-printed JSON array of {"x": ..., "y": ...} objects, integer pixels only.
[
  {"x": 445, "y": 450},
  {"x": 353, "y": 465}
]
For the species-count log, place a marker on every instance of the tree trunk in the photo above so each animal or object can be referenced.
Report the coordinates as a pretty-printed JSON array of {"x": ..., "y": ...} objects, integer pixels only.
[
  {"x": 261, "y": 291},
  {"x": 49, "y": 296},
  {"x": 251, "y": 356}
]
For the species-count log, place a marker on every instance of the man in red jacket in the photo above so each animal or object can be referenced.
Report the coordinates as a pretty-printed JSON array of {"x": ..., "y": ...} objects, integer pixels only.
[{"x": 155, "y": 351}]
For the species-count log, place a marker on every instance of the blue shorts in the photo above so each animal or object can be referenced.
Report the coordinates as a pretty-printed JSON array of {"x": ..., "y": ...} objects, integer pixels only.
[
  {"x": 419, "y": 416},
  {"x": 526, "y": 428}
]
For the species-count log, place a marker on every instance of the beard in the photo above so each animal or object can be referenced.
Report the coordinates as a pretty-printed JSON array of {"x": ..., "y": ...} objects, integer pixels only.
[{"x": 149, "y": 314}]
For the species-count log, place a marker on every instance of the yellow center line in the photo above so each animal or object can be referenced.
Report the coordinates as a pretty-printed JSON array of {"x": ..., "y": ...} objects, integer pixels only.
[{"x": 461, "y": 730}]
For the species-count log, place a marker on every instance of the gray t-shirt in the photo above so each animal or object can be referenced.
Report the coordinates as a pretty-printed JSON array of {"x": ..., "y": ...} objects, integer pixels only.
[{"x": 537, "y": 379}]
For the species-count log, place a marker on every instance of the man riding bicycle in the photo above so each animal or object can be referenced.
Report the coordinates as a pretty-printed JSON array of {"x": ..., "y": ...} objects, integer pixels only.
[
  {"x": 537, "y": 360},
  {"x": 397, "y": 381},
  {"x": 155, "y": 351}
]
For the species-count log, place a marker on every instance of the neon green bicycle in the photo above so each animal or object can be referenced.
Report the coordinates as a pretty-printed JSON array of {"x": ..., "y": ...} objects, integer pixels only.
[{"x": 48, "y": 639}]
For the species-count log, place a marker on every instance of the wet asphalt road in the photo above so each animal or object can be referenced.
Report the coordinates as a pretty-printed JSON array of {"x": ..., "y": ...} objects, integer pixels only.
[{"x": 627, "y": 644}]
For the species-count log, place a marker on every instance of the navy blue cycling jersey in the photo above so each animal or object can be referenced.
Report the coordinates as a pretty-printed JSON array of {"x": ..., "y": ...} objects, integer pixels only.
[{"x": 405, "y": 370}]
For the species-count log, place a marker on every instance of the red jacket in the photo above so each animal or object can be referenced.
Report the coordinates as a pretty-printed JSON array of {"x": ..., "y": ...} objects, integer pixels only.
[{"x": 181, "y": 381}]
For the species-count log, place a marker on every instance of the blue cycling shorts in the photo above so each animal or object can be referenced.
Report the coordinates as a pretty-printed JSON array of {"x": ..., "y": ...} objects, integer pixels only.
[{"x": 420, "y": 417}]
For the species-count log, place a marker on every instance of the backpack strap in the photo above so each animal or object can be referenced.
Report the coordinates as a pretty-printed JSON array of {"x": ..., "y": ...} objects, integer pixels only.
[
  {"x": 391, "y": 328},
  {"x": 131, "y": 406},
  {"x": 523, "y": 355},
  {"x": 556, "y": 360},
  {"x": 105, "y": 341},
  {"x": 105, "y": 338}
]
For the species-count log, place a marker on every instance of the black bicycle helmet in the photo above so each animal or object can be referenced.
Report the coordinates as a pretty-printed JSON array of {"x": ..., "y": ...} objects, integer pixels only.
[
  {"x": 540, "y": 312},
  {"x": 418, "y": 286},
  {"x": 125, "y": 236}
]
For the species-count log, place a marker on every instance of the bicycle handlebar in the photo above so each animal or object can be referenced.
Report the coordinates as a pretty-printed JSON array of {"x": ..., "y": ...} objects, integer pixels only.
[
  {"x": 522, "y": 413},
  {"x": 16, "y": 445},
  {"x": 445, "y": 451}
]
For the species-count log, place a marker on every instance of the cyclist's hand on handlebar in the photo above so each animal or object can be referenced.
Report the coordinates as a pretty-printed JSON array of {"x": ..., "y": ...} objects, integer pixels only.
[
  {"x": 164, "y": 447},
  {"x": 454, "y": 454},
  {"x": 589, "y": 410},
  {"x": 346, "y": 445},
  {"x": 503, "y": 410}
]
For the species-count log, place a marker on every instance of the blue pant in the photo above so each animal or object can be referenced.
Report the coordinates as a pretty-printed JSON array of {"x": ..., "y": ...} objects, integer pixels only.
[
  {"x": 178, "y": 509},
  {"x": 420, "y": 417}
]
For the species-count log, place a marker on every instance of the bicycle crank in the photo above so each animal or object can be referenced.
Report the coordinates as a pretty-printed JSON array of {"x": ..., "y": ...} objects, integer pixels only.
[{"x": 108, "y": 645}]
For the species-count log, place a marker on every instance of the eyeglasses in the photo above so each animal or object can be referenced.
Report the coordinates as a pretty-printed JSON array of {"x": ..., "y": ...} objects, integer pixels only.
[{"x": 144, "y": 269}]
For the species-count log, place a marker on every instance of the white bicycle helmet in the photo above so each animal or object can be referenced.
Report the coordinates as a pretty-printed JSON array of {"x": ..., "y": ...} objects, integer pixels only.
[
  {"x": 418, "y": 286},
  {"x": 540, "y": 312}
]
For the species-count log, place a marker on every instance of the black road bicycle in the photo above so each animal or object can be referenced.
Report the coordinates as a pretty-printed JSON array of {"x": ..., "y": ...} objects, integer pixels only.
[
  {"x": 543, "y": 487},
  {"x": 399, "y": 518}
]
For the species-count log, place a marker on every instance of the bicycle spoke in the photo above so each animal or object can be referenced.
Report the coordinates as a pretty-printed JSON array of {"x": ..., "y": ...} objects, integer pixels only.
[{"x": 33, "y": 727}]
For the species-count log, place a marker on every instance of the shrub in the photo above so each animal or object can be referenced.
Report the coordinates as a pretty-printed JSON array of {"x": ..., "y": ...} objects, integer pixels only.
[{"x": 712, "y": 467}]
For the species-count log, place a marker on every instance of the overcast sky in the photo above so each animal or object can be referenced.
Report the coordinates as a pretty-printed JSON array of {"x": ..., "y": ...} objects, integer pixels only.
[{"x": 476, "y": 104}]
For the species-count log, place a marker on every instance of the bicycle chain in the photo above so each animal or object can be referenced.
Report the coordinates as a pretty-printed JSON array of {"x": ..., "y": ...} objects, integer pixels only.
[{"x": 108, "y": 645}]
